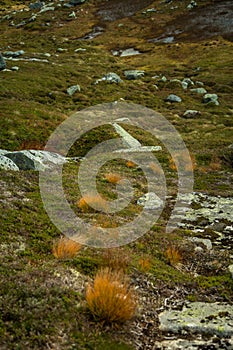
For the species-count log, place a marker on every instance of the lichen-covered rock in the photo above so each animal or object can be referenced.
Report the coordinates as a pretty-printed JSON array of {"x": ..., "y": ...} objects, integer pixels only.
[
  {"x": 211, "y": 98},
  {"x": 191, "y": 113},
  {"x": 199, "y": 317},
  {"x": 35, "y": 159},
  {"x": 173, "y": 98},
  {"x": 7, "y": 164}
]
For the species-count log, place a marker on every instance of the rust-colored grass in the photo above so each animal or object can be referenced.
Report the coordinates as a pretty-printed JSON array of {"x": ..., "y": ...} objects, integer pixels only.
[
  {"x": 144, "y": 264},
  {"x": 130, "y": 164},
  {"x": 111, "y": 299},
  {"x": 96, "y": 203},
  {"x": 113, "y": 178},
  {"x": 183, "y": 162},
  {"x": 65, "y": 248},
  {"x": 173, "y": 255}
]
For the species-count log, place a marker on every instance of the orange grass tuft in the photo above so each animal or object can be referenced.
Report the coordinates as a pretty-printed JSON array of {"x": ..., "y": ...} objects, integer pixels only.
[
  {"x": 113, "y": 178},
  {"x": 144, "y": 264},
  {"x": 65, "y": 248},
  {"x": 173, "y": 255},
  {"x": 95, "y": 202},
  {"x": 110, "y": 299},
  {"x": 130, "y": 164}
]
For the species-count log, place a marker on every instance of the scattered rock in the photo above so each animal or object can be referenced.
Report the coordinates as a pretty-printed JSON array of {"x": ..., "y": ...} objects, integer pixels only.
[
  {"x": 47, "y": 8},
  {"x": 134, "y": 74},
  {"x": 13, "y": 54},
  {"x": 192, "y": 5},
  {"x": 191, "y": 113},
  {"x": 7, "y": 164},
  {"x": 110, "y": 77},
  {"x": 199, "y": 90},
  {"x": 173, "y": 98},
  {"x": 2, "y": 63},
  {"x": 150, "y": 201},
  {"x": 15, "y": 68},
  {"x": 76, "y": 2},
  {"x": 199, "y": 317},
  {"x": 205, "y": 241},
  {"x": 230, "y": 268},
  {"x": 72, "y": 89},
  {"x": 80, "y": 49},
  {"x": 37, "y": 5},
  {"x": 126, "y": 52},
  {"x": 211, "y": 98}
]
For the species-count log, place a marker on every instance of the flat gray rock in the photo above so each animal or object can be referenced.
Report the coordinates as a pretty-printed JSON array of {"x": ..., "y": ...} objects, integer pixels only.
[{"x": 199, "y": 317}]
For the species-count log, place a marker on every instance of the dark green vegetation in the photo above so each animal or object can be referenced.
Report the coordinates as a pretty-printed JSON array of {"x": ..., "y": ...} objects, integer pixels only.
[{"x": 43, "y": 300}]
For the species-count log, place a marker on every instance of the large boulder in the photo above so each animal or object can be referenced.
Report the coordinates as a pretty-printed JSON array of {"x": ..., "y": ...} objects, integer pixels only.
[
  {"x": 35, "y": 159},
  {"x": 199, "y": 317}
]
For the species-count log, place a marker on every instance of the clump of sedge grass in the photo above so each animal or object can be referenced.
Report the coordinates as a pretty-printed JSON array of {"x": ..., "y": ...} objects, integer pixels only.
[
  {"x": 113, "y": 178},
  {"x": 89, "y": 203},
  {"x": 65, "y": 248},
  {"x": 110, "y": 299}
]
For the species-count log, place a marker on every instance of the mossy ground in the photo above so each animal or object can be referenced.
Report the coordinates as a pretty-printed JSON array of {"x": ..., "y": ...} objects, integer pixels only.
[{"x": 38, "y": 308}]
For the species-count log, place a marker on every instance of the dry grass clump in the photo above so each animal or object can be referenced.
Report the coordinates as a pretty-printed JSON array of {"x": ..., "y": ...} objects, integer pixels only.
[
  {"x": 96, "y": 203},
  {"x": 130, "y": 164},
  {"x": 173, "y": 255},
  {"x": 144, "y": 264},
  {"x": 65, "y": 248},
  {"x": 116, "y": 259},
  {"x": 184, "y": 163},
  {"x": 111, "y": 299},
  {"x": 113, "y": 178}
]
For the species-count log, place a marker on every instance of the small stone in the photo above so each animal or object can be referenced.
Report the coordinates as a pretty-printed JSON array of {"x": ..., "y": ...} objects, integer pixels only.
[
  {"x": 133, "y": 74},
  {"x": 47, "y": 8},
  {"x": 76, "y": 2},
  {"x": 230, "y": 268},
  {"x": 163, "y": 79},
  {"x": 191, "y": 113},
  {"x": 192, "y": 5},
  {"x": 205, "y": 241},
  {"x": 72, "y": 15},
  {"x": 72, "y": 89},
  {"x": 15, "y": 68},
  {"x": 13, "y": 54},
  {"x": 2, "y": 63},
  {"x": 80, "y": 49},
  {"x": 36, "y": 5},
  {"x": 188, "y": 81},
  {"x": 199, "y": 90},
  {"x": 47, "y": 54},
  {"x": 211, "y": 98},
  {"x": 60, "y": 49},
  {"x": 112, "y": 78},
  {"x": 173, "y": 98}
]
